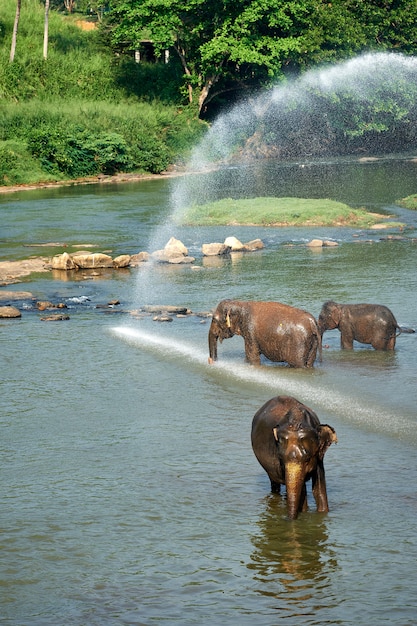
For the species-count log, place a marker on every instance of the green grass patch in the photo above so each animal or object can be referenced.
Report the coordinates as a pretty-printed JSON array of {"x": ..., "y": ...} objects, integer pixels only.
[
  {"x": 410, "y": 202},
  {"x": 84, "y": 111},
  {"x": 279, "y": 212}
]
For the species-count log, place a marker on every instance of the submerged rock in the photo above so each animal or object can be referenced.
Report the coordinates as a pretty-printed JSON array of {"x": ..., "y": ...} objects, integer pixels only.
[
  {"x": 44, "y": 305},
  {"x": 255, "y": 244},
  {"x": 162, "y": 318},
  {"x": 55, "y": 318},
  {"x": 16, "y": 295},
  {"x": 165, "y": 308},
  {"x": 315, "y": 243}
]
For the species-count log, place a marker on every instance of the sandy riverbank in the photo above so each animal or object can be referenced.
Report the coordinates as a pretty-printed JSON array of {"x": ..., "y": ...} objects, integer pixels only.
[{"x": 91, "y": 180}]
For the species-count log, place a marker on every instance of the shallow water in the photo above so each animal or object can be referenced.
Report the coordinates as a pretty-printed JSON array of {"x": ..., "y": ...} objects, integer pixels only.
[{"x": 130, "y": 493}]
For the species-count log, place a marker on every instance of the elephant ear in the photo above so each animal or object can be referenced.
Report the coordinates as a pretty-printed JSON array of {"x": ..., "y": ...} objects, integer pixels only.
[{"x": 327, "y": 436}]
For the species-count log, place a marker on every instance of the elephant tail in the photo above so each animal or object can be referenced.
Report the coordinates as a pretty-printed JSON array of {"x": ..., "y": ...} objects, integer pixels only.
[{"x": 404, "y": 329}]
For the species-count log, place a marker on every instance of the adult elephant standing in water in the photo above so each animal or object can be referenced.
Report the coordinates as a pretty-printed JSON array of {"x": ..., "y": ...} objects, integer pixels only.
[
  {"x": 280, "y": 332},
  {"x": 290, "y": 442},
  {"x": 372, "y": 324}
]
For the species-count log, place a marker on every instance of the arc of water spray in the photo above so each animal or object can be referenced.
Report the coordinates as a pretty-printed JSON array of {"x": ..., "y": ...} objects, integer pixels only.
[{"x": 315, "y": 394}]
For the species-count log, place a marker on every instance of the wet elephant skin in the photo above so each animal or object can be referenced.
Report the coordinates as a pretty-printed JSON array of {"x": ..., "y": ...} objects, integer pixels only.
[
  {"x": 280, "y": 332},
  {"x": 290, "y": 443}
]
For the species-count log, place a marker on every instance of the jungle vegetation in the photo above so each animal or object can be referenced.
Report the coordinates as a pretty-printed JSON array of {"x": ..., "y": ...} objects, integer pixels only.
[{"x": 75, "y": 102}]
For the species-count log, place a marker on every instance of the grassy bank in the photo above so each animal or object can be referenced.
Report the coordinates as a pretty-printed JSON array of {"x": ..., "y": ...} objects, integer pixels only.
[
  {"x": 410, "y": 202},
  {"x": 45, "y": 141},
  {"x": 281, "y": 212},
  {"x": 78, "y": 113}
]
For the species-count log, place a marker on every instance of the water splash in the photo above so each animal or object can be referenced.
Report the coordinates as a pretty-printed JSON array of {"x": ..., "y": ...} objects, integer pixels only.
[
  {"x": 303, "y": 119},
  {"x": 294, "y": 122},
  {"x": 313, "y": 116},
  {"x": 315, "y": 394}
]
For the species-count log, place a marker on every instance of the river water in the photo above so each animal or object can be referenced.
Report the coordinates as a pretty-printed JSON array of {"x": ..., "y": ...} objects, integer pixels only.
[{"x": 129, "y": 492}]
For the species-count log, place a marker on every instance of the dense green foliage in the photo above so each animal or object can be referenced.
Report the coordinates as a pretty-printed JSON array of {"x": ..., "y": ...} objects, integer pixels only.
[
  {"x": 278, "y": 212},
  {"x": 89, "y": 108},
  {"x": 87, "y": 138},
  {"x": 238, "y": 44},
  {"x": 73, "y": 115}
]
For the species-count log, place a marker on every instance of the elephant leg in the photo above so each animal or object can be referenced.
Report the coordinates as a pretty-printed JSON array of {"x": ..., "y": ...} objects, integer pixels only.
[
  {"x": 384, "y": 343},
  {"x": 391, "y": 343},
  {"x": 275, "y": 487},
  {"x": 303, "y": 499},
  {"x": 253, "y": 356},
  {"x": 346, "y": 341},
  {"x": 319, "y": 490},
  {"x": 311, "y": 355}
]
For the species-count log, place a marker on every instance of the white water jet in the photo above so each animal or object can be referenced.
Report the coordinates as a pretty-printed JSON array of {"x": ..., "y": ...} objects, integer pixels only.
[
  {"x": 298, "y": 115},
  {"x": 316, "y": 394}
]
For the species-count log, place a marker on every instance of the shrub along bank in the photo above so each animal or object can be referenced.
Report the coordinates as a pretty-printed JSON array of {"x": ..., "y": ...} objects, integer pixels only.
[
  {"x": 42, "y": 141},
  {"x": 69, "y": 116}
]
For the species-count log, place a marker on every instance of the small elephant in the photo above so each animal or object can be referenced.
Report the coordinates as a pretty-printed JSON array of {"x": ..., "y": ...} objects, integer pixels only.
[
  {"x": 280, "y": 332},
  {"x": 289, "y": 442},
  {"x": 367, "y": 323}
]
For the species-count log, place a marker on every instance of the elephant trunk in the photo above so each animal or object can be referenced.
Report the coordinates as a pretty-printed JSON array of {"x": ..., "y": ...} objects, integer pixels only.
[
  {"x": 212, "y": 340},
  {"x": 295, "y": 486}
]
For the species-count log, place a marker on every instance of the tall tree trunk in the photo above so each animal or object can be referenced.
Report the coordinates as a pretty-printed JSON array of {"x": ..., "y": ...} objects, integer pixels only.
[
  {"x": 45, "y": 30},
  {"x": 15, "y": 27}
]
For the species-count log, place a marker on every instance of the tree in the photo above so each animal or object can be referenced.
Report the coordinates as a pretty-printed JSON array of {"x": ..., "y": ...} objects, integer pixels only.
[
  {"x": 45, "y": 31},
  {"x": 15, "y": 27},
  {"x": 232, "y": 41},
  {"x": 70, "y": 5},
  {"x": 234, "y": 44}
]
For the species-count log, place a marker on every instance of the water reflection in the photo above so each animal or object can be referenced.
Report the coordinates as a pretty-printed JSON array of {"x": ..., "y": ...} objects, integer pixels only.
[{"x": 292, "y": 562}]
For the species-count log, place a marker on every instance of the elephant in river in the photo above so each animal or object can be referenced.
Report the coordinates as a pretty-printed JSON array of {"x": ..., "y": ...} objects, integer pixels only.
[
  {"x": 372, "y": 324},
  {"x": 280, "y": 332},
  {"x": 289, "y": 442}
]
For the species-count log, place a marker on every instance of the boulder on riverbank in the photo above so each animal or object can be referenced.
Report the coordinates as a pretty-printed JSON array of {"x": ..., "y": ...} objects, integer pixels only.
[
  {"x": 9, "y": 312},
  {"x": 320, "y": 243},
  {"x": 174, "y": 252},
  {"x": 230, "y": 244}
]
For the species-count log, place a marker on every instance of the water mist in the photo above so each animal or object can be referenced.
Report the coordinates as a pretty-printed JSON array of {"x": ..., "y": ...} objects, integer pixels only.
[{"x": 312, "y": 118}]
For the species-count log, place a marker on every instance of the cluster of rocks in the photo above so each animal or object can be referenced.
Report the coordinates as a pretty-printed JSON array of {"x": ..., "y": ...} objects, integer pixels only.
[
  {"x": 88, "y": 260},
  {"x": 175, "y": 252},
  {"x": 159, "y": 313}
]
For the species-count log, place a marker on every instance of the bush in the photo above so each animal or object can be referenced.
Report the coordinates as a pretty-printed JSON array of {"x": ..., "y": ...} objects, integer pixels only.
[
  {"x": 17, "y": 166},
  {"x": 110, "y": 152},
  {"x": 75, "y": 154},
  {"x": 62, "y": 153},
  {"x": 76, "y": 139}
]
